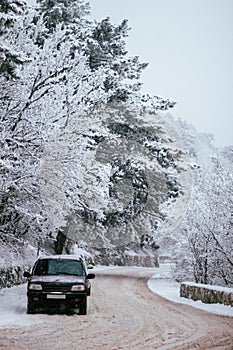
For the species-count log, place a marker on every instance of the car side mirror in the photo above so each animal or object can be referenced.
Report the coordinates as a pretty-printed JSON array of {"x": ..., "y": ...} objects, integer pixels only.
[
  {"x": 90, "y": 267},
  {"x": 90, "y": 276},
  {"x": 26, "y": 274}
]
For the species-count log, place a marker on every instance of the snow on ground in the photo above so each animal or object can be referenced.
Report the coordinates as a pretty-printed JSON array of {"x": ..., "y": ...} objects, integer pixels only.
[
  {"x": 163, "y": 285},
  {"x": 13, "y": 300}
]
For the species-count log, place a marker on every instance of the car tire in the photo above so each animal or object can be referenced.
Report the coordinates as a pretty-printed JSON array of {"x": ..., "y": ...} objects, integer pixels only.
[
  {"x": 31, "y": 308},
  {"x": 83, "y": 307}
]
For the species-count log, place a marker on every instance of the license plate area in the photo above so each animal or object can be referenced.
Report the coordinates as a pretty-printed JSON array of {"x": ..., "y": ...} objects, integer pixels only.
[{"x": 56, "y": 296}]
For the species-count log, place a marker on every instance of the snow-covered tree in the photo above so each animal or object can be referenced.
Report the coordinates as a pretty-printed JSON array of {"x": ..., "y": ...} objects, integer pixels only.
[
  {"x": 48, "y": 111},
  {"x": 66, "y": 12},
  {"x": 51, "y": 86},
  {"x": 10, "y": 13},
  {"x": 106, "y": 46},
  {"x": 206, "y": 235}
]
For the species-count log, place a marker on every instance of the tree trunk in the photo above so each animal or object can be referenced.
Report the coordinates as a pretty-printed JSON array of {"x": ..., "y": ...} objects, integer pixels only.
[{"x": 60, "y": 242}]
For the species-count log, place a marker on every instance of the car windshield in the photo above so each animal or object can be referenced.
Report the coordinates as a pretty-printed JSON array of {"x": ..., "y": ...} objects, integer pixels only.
[{"x": 58, "y": 267}]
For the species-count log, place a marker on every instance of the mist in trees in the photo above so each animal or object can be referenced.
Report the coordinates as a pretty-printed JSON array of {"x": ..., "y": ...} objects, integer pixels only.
[
  {"x": 209, "y": 227},
  {"x": 203, "y": 244}
]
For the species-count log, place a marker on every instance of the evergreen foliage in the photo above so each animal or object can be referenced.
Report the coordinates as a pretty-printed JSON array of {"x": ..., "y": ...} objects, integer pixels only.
[
  {"x": 10, "y": 12},
  {"x": 65, "y": 12},
  {"x": 106, "y": 46}
]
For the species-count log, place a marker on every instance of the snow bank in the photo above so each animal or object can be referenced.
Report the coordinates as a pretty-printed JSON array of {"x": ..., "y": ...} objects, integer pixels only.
[
  {"x": 169, "y": 289},
  {"x": 13, "y": 307}
]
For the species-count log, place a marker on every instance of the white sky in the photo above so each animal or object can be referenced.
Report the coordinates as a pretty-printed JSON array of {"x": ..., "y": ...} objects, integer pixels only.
[{"x": 189, "y": 47}]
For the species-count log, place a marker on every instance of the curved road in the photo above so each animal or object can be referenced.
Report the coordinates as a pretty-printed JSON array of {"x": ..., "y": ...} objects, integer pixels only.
[{"x": 124, "y": 314}]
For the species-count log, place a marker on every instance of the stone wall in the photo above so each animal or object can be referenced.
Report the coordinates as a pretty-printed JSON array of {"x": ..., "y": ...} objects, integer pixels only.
[
  {"x": 14, "y": 262},
  {"x": 126, "y": 260},
  {"x": 131, "y": 255},
  {"x": 206, "y": 293}
]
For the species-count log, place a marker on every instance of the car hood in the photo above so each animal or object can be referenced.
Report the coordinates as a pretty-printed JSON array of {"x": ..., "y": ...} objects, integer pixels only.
[{"x": 58, "y": 279}]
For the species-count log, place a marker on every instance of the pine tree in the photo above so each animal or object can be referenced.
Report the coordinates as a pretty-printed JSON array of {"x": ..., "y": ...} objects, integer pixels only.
[
  {"x": 103, "y": 44},
  {"x": 66, "y": 12},
  {"x": 106, "y": 47},
  {"x": 10, "y": 12}
]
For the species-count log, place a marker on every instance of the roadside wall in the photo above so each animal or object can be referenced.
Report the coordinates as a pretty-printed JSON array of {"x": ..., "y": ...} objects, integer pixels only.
[
  {"x": 13, "y": 263},
  {"x": 206, "y": 293},
  {"x": 126, "y": 256},
  {"x": 11, "y": 276},
  {"x": 126, "y": 260}
]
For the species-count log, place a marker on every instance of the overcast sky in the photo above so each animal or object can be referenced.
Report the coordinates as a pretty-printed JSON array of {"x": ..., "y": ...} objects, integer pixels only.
[{"x": 189, "y": 47}]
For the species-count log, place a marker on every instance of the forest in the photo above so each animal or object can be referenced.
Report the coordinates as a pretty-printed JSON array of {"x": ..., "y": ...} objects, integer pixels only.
[{"x": 88, "y": 161}]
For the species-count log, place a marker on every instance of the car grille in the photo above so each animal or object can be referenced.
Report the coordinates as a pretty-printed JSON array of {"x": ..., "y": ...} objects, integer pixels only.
[{"x": 56, "y": 288}]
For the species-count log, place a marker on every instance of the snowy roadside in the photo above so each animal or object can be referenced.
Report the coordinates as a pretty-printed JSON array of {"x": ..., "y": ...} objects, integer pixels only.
[
  {"x": 166, "y": 287},
  {"x": 13, "y": 303}
]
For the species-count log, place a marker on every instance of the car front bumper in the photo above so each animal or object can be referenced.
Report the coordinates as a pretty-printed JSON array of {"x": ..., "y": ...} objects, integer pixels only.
[{"x": 46, "y": 299}]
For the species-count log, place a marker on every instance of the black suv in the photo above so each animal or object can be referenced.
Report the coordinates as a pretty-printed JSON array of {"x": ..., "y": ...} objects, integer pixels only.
[{"x": 59, "y": 281}]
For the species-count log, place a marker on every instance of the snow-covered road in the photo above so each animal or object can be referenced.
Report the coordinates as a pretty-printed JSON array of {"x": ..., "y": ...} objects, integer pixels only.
[{"x": 123, "y": 314}]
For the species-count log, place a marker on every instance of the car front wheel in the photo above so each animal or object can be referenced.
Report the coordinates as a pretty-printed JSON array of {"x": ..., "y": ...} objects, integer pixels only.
[
  {"x": 83, "y": 307},
  {"x": 30, "y": 308}
]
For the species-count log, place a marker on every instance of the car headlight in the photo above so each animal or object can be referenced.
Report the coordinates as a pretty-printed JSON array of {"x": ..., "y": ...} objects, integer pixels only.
[
  {"x": 35, "y": 286},
  {"x": 78, "y": 288}
]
